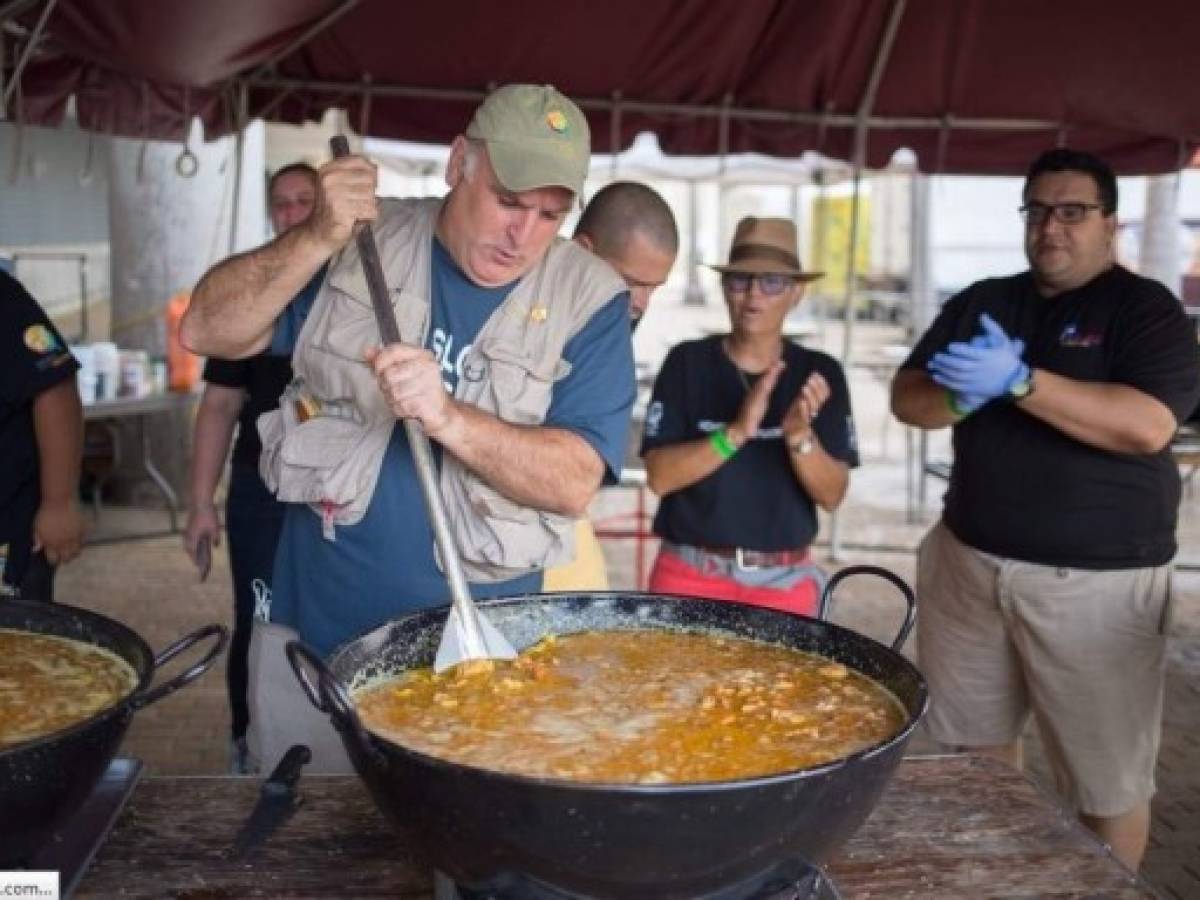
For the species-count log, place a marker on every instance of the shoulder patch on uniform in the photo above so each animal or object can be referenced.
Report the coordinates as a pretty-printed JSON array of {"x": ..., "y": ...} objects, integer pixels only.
[{"x": 41, "y": 339}]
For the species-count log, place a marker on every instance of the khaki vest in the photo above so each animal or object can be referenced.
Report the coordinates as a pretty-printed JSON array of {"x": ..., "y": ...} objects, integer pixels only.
[{"x": 325, "y": 444}]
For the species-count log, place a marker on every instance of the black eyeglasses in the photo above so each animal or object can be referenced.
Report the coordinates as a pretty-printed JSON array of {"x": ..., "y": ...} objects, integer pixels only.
[
  {"x": 1070, "y": 213},
  {"x": 769, "y": 283}
]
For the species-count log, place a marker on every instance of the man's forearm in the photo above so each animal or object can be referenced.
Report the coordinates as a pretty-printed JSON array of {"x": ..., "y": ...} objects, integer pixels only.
[
  {"x": 235, "y": 305},
  {"x": 543, "y": 467},
  {"x": 1113, "y": 417},
  {"x": 920, "y": 401},
  {"x": 58, "y": 426}
]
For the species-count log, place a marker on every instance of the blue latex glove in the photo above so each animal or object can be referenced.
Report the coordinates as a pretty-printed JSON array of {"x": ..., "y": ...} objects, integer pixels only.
[
  {"x": 966, "y": 404},
  {"x": 982, "y": 369}
]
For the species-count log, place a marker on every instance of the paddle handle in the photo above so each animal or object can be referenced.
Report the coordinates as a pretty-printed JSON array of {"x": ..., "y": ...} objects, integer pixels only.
[{"x": 418, "y": 441}]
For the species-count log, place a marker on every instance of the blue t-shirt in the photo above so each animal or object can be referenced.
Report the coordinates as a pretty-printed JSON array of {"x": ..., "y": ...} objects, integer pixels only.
[
  {"x": 383, "y": 567},
  {"x": 291, "y": 320}
]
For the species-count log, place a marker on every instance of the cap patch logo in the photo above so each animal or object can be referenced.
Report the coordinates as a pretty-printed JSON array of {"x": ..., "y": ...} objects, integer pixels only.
[
  {"x": 40, "y": 339},
  {"x": 557, "y": 121}
]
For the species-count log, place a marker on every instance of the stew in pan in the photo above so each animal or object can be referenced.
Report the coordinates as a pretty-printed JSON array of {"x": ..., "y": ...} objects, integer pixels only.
[
  {"x": 49, "y": 683},
  {"x": 641, "y": 706}
]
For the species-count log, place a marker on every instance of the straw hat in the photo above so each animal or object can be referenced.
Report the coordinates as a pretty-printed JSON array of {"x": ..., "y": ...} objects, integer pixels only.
[{"x": 766, "y": 245}]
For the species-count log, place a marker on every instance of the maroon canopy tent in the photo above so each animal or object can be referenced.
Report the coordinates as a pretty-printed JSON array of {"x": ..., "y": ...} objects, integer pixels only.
[{"x": 970, "y": 85}]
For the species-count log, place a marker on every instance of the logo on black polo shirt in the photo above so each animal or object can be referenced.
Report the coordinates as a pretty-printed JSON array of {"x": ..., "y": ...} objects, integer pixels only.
[
  {"x": 45, "y": 343},
  {"x": 1072, "y": 337},
  {"x": 41, "y": 339},
  {"x": 654, "y": 414}
]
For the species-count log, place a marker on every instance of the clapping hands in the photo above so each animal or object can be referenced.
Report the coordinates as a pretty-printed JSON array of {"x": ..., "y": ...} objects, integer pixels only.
[{"x": 797, "y": 421}]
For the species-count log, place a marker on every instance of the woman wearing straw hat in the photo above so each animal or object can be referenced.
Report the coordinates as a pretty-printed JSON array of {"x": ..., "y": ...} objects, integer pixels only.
[{"x": 746, "y": 435}]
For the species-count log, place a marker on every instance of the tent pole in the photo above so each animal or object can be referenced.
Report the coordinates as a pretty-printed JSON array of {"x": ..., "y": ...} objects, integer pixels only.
[
  {"x": 694, "y": 110},
  {"x": 27, "y": 53},
  {"x": 851, "y": 262},
  {"x": 835, "y": 545},
  {"x": 693, "y": 294},
  {"x": 239, "y": 146},
  {"x": 861, "y": 130}
]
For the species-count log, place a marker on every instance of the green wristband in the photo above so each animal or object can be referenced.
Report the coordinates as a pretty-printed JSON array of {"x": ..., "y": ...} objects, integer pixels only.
[
  {"x": 722, "y": 444},
  {"x": 952, "y": 402}
]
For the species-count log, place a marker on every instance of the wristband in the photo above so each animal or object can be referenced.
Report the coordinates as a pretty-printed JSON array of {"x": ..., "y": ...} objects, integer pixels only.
[
  {"x": 952, "y": 402},
  {"x": 722, "y": 444}
]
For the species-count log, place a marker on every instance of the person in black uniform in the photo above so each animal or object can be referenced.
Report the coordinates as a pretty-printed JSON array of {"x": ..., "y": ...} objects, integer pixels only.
[
  {"x": 745, "y": 436},
  {"x": 1045, "y": 587},
  {"x": 41, "y": 446},
  {"x": 236, "y": 393}
]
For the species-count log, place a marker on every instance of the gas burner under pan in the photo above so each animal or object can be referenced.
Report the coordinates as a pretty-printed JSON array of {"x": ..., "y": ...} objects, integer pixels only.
[{"x": 792, "y": 883}]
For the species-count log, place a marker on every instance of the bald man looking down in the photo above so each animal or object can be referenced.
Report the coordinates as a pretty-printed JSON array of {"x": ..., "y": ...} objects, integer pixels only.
[{"x": 630, "y": 227}]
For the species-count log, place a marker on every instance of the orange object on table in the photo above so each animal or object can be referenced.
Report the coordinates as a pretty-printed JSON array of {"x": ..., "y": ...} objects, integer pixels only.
[{"x": 183, "y": 366}]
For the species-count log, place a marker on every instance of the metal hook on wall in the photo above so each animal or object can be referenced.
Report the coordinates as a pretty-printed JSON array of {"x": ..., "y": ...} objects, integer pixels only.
[{"x": 186, "y": 163}]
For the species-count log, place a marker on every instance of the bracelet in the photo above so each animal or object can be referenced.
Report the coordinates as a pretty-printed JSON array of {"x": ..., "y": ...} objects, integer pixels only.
[
  {"x": 722, "y": 444},
  {"x": 952, "y": 402}
]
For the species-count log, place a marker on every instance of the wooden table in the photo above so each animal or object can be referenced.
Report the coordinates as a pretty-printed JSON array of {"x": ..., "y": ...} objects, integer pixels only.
[{"x": 948, "y": 826}]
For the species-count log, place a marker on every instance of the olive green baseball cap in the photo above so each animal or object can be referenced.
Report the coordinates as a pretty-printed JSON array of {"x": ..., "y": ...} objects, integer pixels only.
[{"x": 535, "y": 137}]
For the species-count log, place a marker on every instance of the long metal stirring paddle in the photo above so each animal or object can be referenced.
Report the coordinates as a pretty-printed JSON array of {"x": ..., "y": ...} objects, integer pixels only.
[{"x": 468, "y": 634}]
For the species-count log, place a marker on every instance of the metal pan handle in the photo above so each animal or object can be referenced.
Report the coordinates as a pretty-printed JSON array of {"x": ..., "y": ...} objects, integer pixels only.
[
  {"x": 219, "y": 632},
  {"x": 327, "y": 694},
  {"x": 910, "y": 615}
]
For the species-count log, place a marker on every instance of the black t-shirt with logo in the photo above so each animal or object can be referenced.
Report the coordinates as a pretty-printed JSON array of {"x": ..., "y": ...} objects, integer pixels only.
[
  {"x": 754, "y": 499},
  {"x": 263, "y": 378},
  {"x": 33, "y": 359},
  {"x": 1022, "y": 489}
]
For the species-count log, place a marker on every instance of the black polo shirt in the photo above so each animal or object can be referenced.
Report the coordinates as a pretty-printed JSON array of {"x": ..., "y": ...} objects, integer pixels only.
[
  {"x": 263, "y": 378},
  {"x": 1022, "y": 489},
  {"x": 33, "y": 358}
]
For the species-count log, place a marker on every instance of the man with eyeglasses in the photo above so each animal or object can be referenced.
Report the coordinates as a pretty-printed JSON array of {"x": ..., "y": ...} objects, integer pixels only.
[
  {"x": 1045, "y": 587},
  {"x": 746, "y": 435}
]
